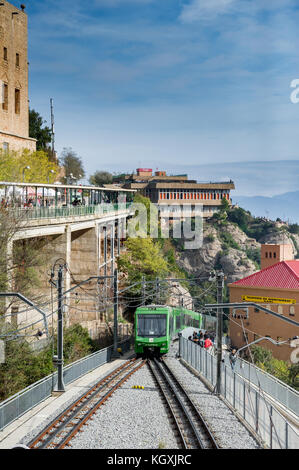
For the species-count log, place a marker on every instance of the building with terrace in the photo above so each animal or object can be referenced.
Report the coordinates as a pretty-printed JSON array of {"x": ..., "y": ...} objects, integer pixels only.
[{"x": 176, "y": 191}]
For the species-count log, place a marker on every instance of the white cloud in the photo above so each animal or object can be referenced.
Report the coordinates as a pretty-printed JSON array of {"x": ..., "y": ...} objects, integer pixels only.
[{"x": 205, "y": 9}]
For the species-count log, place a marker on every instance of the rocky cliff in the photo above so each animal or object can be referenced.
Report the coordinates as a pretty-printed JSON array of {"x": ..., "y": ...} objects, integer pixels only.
[{"x": 227, "y": 247}]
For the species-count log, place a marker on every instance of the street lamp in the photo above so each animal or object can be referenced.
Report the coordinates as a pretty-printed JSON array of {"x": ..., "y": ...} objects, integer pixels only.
[
  {"x": 26, "y": 168},
  {"x": 277, "y": 343},
  {"x": 52, "y": 172}
]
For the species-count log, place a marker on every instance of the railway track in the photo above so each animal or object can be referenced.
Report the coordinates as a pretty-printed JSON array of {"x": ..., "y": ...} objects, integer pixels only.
[
  {"x": 62, "y": 429},
  {"x": 192, "y": 430}
]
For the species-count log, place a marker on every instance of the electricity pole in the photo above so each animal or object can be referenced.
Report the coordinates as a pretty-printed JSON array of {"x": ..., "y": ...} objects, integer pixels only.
[
  {"x": 220, "y": 286},
  {"x": 59, "y": 360},
  {"x": 52, "y": 129},
  {"x": 115, "y": 336}
]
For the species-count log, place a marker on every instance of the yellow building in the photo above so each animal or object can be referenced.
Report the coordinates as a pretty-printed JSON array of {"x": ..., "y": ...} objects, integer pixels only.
[{"x": 14, "y": 108}]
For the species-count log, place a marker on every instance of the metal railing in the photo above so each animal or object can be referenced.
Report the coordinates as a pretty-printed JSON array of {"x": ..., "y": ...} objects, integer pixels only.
[
  {"x": 249, "y": 402},
  {"x": 275, "y": 388},
  {"x": 17, "y": 405},
  {"x": 67, "y": 211}
]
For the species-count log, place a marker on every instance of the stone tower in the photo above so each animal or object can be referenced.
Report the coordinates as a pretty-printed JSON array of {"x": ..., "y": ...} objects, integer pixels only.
[{"x": 14, "y": 107}]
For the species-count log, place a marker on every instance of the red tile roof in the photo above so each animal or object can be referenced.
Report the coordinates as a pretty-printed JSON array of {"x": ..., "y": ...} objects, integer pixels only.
[{"x": 283, "y": 275}]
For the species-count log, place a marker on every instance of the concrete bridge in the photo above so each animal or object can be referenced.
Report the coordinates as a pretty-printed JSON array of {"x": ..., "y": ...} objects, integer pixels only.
[{"x": 88, "y": 238}]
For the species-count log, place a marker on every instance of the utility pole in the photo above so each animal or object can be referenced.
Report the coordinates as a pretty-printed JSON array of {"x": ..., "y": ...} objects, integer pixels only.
[
  {"x": 220, "y": 286},
  {"x": 115, "y": 336},
  {"x": 52, "y": 129},
  {"x": 59, "y": 360}
]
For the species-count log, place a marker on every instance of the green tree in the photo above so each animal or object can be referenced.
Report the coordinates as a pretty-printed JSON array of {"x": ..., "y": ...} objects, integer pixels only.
[
  {"x": 225, "y": 207},
  {"x": 240, "y": 217},
  {"x": 142, "y": 258},
  {"x": 73, "y": 165},
  {"x": 294, "y": 376},
  {"x": 23, "y": 366},
  {"x": 99, "y": 178},
  {"x": 41, "y": 169},
  {"x": 38, "y": 132},
  {"x": 77, "y": 343}
]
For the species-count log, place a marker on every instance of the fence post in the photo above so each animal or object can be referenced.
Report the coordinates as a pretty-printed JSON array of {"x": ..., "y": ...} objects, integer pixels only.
[
  {"x": 287, "y": 436},
  {"x": 234, "y": 390},
  {"x": 244, "y": 396},
  {"x": 256, "y": 412},
  {"x": 271, "y": 427}
]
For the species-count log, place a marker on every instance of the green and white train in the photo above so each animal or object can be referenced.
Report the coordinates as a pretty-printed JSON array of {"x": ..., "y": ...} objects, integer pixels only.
[{"x": 157, "y": 325}]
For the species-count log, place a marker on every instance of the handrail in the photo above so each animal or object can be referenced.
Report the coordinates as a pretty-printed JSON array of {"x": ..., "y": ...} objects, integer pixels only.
[
  {"x": 67, "y": 211},
  {"x": 44, "y": 379}
]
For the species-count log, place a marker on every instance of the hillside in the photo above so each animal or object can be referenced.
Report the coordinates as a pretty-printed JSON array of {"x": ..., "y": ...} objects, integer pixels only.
[{"x": 232, "y": 243}]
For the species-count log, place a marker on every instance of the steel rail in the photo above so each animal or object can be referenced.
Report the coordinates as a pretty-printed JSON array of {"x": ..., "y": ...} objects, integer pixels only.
[
  {"x": 188, "y": 410},
  {"x": 201, "y": 421},
  {"x": 169, "y": 405},
  {"x": 91, "y": 412},
  {"x": 47, "y": 435}
]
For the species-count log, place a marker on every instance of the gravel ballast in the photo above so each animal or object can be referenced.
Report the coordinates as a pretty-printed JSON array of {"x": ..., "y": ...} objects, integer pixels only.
[
  {"x": 130, "y": 419},
  {"x": 227, "y": 429},
  {"x": 138, "y": 418}
]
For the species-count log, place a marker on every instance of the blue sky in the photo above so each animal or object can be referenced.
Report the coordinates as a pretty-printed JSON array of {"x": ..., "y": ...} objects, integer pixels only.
[{"x": 157, "y": 83}]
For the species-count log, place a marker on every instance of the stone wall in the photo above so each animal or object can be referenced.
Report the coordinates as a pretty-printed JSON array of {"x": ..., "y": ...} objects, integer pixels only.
[{"x": 14, "y": 121}]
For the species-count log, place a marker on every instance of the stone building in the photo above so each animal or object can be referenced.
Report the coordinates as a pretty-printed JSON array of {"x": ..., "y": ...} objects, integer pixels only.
[{"x": 14, "y": 107}]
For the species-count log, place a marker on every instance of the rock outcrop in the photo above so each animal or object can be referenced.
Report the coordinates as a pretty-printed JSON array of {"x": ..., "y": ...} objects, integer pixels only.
[{"x": 216, "y": 253}]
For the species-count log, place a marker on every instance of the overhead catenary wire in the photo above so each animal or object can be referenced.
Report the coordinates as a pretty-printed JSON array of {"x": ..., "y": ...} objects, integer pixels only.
[{"x": 106, "y": 302}]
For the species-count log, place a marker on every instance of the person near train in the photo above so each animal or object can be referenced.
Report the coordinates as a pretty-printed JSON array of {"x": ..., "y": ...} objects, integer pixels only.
[
  {"x": 208, "y": 343},
  {"x": 233, "y": 359}
]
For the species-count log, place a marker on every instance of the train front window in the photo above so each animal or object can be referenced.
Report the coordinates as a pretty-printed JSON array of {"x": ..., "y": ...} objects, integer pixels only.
[{"x": 151, "y": 325}]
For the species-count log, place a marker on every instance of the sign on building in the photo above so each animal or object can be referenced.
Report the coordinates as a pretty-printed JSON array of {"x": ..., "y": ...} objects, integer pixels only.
[{"x": 268, "y": 300}]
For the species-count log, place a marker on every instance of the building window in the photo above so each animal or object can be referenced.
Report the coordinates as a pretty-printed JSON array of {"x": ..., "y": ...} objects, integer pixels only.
[
  {"x": 274, "y": 255},
  {"x": 5, "y": 53},
  {"x": 5, "y": 96},
  {"x": 17, "y": 60},
  {"x": 5, "y": 147},
  {"x": 266, "y": 254},
  {"x": 292, "y": 311},
  {"x": 270, "y": 254},
  {"x": 17, "y": 101},
  {"x": 280, "y": 309}
]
